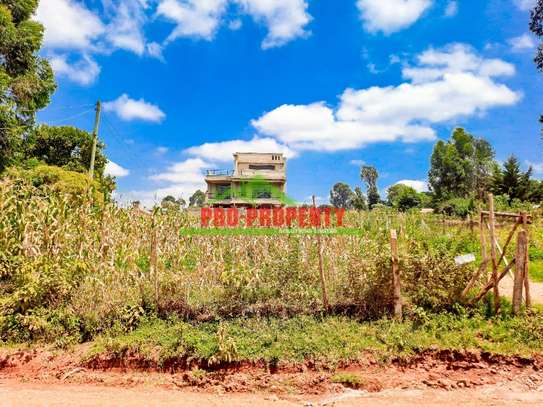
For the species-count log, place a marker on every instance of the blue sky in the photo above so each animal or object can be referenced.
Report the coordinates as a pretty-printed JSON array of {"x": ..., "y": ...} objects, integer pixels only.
[{"x": 185, "y": 83}]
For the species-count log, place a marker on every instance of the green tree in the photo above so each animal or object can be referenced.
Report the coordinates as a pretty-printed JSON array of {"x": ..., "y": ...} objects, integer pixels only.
[
  {"x": 197, "y": 199},
  {"x": 341, "y": 196},
  {"x": 536, "y": 26},
  {"x": 403, "y": 197},
  {"x": 511, "y": 181},
  {"x": 461, "y": 167},
  {"x": 26, "y": 80},
  {"x": 359, "y": 200},
  {"x": 169, "y": 202},
  {"x": 369, "y": 175}
]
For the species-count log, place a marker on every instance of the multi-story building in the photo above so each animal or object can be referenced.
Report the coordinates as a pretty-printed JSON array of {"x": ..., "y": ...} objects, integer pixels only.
[{"x": 258, "y": 179}]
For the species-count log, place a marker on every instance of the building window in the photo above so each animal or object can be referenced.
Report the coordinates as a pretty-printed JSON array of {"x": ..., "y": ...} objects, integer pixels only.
[{"x": 262, "y": 167}]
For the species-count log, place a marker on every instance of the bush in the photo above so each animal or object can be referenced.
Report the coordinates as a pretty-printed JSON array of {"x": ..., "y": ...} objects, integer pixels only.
[{"x": 461, "y": 207}]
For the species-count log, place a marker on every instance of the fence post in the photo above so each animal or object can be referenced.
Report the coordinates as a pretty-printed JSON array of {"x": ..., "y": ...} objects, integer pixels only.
[
  {"x": 325, "y": 301},
  {"x": 153, "y": 269},
  {"x": 492, "y": 225},
  {"x": 524, "y": 216},
  {"x": 397, "y": 294},
  {"x": 520, "y": 270}
]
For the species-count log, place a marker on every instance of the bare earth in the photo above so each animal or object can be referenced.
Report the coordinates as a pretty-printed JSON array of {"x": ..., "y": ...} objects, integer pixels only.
[
  {"x": 40, "y": 377},
  {"x": 14, "y": 393}
]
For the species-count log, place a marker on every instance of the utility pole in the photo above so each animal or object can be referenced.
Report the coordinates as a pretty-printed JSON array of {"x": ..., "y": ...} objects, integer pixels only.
[{"x": 95, "y": 139}]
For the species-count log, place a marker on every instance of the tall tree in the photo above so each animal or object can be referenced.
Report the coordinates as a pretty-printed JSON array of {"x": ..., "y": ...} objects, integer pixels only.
[
  {"x": 369, "y": 175},
  {"x": 26, "y": 80},
  {"x": 341, "y": 196},
  {"x": 536, "y": 26},
  {"x": 511, "y": 181},
  {"x": 461, "y": 167}
]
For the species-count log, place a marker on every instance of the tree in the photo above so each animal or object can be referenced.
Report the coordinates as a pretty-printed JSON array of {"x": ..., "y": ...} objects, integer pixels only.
[
  {"x": 403, "y": 197},
  {"x": 359, "y": 200},
  {"x": 26, "y": 79},
  {"x": 460, "y": 167},
  {"x": 197, "y": 199},
  {"x": 169, "y": 202},
  {"x": 341, "y": 196},
  {"x": 369, "y": 175},
  {"x": 511, "y": 181},
  {"x": 536, "y": 26}
]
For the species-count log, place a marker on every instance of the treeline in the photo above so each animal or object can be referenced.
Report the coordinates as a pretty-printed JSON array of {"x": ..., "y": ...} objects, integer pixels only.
[
  {"x": 462, "y": 171},
  {"x": 58, "y": 157}
]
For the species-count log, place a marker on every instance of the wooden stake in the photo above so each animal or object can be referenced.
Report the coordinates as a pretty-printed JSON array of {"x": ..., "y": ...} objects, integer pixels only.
[
  {"x": 520, "y": 270},
  {"x": 397, "y": 294},
  {"x": 492, "y": 224},
  {"x": 153, "y": 269},
  {"x": 491, "y": 283},
  {"x": 325, "y": 302},
  {"x": 524, "y": 217},
  {"x": 475, "y": 277}
]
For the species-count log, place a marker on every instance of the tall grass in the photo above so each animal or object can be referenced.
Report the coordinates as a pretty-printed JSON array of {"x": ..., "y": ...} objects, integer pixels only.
[{"x": 70, "y": 267}]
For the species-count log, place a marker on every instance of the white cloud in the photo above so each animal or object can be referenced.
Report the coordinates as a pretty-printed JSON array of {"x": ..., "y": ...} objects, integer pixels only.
[
  {"x": 83, "y": 71},
  {"x": 444, "y": 85},
  {"x": 154, "y": 50},
  {"x": 130, "y": 109},
  {"x": 391, "y": 15},
  {"x": 522, "y": 42},
  {"x": 285, "y": 19},
  {"x": 188, "y": 171},
  {"x": 125, "y": 31},
  {"x": 223, "y": 151},
  {"x": 525, "y": 4},
  {"x": 537, "y": 167},
  {"x": 419, "y": 186},
  {"x": 194, "y": 18},
  {"x": 162, "y": 150},
  {"x": 357, "y": 163},
  {"x": 68, "y": 24},
  {"x": 452, "y": 9},
  {"x": 235, "y": 25},
  {"x": 115, "y": 170}
]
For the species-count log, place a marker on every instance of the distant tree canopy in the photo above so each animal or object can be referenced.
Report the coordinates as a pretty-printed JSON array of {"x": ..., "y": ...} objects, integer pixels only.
[
  {"x": 461, "y": 167},
  {"x": 197, "y": 199},
  {"x": 511, "y": 181},
  {"x": 359, "y": 200},
  {"x": 536, "y": 26},
  {"x": 341, "y": 196},
  {"x": 369, "y": 175},
  {"x": 169, "y": 202},
  {"x": 403, "y": 197},
  {"x": 26, "y": 79}
]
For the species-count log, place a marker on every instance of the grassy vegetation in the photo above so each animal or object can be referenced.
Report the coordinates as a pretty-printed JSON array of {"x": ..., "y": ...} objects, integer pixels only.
[{"x": 323, "y": 341}]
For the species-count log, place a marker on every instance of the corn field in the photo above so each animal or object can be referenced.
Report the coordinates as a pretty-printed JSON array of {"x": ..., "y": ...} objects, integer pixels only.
[{"x": 68, "y": 267}]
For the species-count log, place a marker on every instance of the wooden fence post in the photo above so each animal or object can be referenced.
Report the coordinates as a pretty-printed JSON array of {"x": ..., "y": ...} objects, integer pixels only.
[
  {"x": 492, "y": 225},
  {"x": 396, "y": 281},
  {"x": 520, "y": 270},
  {"x": 153, "y": 258},
  {"x": 524, "y": 217},
  {"x": 325, "y": 301}
]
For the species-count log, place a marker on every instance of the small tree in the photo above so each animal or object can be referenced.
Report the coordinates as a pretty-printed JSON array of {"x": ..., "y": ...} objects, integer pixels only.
[
  {"x": 359, "y": 200},
  {"x": 370, "y": 175},
  {"x": 169, "y": 202},
  {"x": 403, "y": 197},
  {"x": 197, "y": 199},
  {"x": 511, "y": 181},
  {"x": 341, "y": 196}
]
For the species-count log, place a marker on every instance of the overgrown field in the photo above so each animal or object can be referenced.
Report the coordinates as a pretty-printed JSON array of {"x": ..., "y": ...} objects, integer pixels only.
[{"x": 74, "y": 270}]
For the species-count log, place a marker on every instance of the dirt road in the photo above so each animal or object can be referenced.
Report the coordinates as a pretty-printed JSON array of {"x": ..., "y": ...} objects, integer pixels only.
[{"x": 14, "y": 393}]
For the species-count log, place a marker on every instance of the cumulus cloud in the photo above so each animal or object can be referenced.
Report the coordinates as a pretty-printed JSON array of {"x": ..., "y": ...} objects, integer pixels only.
[
  {"x": 452, "y": 9},
  {"x": 525, "y": 4},
  {"x": 115, "y": 170},
  {"x": 68, "y": 24},
  {"x": 285, "y": 19},
  {"x": 392, "y": 15},
  {"x": 193, "y": 18},
  {"x": 522, "y": 43},
  {"x": 442, "y": 85},
  {"x": 223, "y": 151},
  {"x": 125, "y": 31},
  {"x": 83, "y": 71},
  {"x": 130, "y": 109},
  {"x": 417, "y": 185}
]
